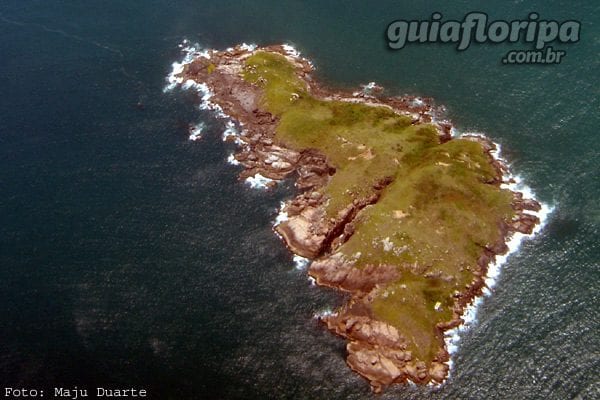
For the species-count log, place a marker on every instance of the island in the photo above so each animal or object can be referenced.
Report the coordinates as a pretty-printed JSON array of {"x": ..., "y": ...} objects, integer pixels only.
[{"x": 391, "y": 208}]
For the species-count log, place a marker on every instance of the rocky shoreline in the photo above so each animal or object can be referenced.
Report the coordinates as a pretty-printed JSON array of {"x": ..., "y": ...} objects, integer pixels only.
[{"x": 376, "y": 350}]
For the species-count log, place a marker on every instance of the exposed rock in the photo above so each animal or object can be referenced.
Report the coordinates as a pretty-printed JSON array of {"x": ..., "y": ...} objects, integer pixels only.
[
  {"x": 376, "y": 350},
  {"x": 304, "y": 233},
  {"x": 335, "y": 271},
  {"x": 438, "y": 371}
]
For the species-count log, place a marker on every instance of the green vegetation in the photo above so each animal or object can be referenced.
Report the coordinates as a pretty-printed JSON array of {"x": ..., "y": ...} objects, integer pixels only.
[{"x": 431, "y": 222}]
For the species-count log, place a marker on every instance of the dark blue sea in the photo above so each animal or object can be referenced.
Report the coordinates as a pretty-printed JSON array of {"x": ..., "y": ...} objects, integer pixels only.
[{"x": 131, "y": 256}]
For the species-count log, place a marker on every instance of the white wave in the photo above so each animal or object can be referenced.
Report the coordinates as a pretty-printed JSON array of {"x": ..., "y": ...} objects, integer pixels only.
[
  {"x": 190, "y": 52},
  {"x": 205, "y": 95},
  {"x": 282, "y": 216},
  {"x": 215, "y": 108},
  {"x": 312, "y": 281},
  {"x": 450, "y": 365},
  {"x": 190, "y": 83},
  {"x": 476, "y": 134},
  {"x": 231, "y": 132},
  {"x": 514, "y": 243},
  {"x": 366, "y": 89},
  {"x": 258, "y": 181},
  {"x": 452, "y": 337},
  {"x": 301, "y": 262},
  {"x": 172, "y": 79},
  {"x": 324, "y": 313},
  {"x": 231, "y": 160},
  {"x": 248, "y": 47},
  {"x": 291, "y": 50},
  {"x": 196, "y": 131},
  {"x": 202, "y": 89}
]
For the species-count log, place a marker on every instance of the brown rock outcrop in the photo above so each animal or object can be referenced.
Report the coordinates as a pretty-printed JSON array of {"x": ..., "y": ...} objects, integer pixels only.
[{"x": 376, "y": 350}]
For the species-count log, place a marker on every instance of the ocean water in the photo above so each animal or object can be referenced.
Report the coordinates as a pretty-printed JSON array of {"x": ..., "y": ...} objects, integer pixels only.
[{"x": 130, "y": 256}]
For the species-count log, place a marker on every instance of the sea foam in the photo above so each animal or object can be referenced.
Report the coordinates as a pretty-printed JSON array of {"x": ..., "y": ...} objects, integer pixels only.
[
  {"x": 301, "y": 262},
  {"x": 291, "y": 50},
  {"x": 327, "y": 312},
  {"x": 231, "y": 160},
  {"x": 515, "y": 184},
  {"x": 248, "y": 47},
  {"x": 231, "y": 132},
  {"x": 196, "y": 131},
  {"x": 190, "y": 53},
  {"x": 282, "y": 215},
  {"x": 258, "y": 181}
]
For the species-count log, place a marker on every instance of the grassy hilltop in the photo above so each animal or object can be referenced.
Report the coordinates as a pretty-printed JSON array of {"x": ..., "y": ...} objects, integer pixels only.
[{"x": 431, "y": 222}]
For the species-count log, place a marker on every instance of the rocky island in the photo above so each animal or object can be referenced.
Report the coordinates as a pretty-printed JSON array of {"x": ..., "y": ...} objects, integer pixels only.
[{"x": 391, "y": 208}]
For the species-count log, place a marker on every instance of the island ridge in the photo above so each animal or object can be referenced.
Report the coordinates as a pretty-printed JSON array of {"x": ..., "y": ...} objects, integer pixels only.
[{"x": 391, "y": 208}]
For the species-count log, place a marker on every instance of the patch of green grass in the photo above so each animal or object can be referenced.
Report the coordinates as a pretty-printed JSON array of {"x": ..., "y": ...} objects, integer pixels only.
[
  {"x": 414, "y": 305},
  {"x": 431, "y": 222},
  {"x": 277, "y": 76}
]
